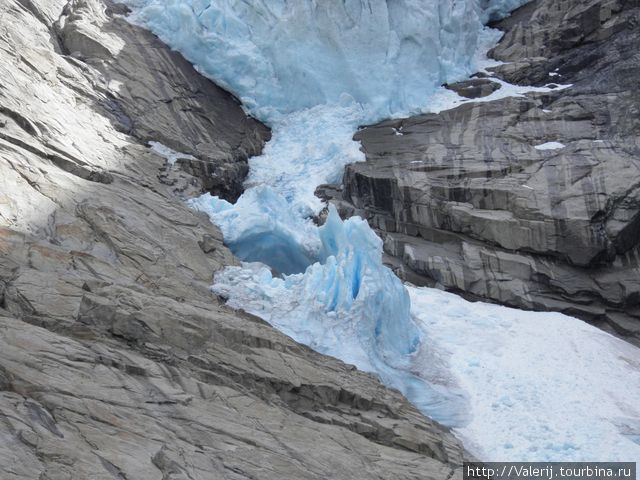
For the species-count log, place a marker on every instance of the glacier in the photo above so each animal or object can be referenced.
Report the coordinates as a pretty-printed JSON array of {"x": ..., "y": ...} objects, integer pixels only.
[
  {"x": 315, "y": 71},
  {"x": 339, "y": 304},
  {"x": 282, "y": 56}
]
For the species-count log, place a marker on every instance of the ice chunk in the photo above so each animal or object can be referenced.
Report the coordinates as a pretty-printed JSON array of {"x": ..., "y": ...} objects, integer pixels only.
[
  {"x": 347, "y": 305},
  {"x": 348, "y": 285},
  {"x": 263, "y": 227},
  {"x": 308, "y": 148}
]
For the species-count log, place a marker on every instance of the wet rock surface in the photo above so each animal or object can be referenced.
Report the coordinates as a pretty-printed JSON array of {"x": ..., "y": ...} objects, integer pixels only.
[
  {"x": 116, "y": 362},
  {"x": 534, "y": 201}
]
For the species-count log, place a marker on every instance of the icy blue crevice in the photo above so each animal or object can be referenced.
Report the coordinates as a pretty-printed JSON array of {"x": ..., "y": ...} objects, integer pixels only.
[{"x": 315, "y": 71}]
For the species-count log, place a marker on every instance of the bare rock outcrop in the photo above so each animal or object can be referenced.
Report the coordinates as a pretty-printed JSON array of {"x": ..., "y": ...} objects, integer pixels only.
[
  {"x": 534, "y": 201},
  {"x": 116, "y": 362}
]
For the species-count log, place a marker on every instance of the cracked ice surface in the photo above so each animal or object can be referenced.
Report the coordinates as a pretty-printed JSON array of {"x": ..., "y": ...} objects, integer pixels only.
[{"x": 281, "y": 56}]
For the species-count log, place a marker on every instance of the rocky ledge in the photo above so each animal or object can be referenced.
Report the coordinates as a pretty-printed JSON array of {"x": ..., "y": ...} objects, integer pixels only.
[
  {"x": 529, "y": 201},
  {"x": 115, "y": 360}
]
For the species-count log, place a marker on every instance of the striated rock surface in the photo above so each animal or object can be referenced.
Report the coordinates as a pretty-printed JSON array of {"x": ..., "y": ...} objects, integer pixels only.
[
  {"x": 533, "y": 201},
  {"x": 115, "y": 360}
]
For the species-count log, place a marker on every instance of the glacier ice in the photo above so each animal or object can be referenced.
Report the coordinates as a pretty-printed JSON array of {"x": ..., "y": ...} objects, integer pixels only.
[
  {"x": 282, "y": 56},
  {"x": 347, "y": 305},
  {"x": 263, "y": 227},
  {"x": 544, "y": 386},
  {"x": 315, "y": 70},
  {"x": 345, "y": 287},
  {"x": 550, "y": 146}
]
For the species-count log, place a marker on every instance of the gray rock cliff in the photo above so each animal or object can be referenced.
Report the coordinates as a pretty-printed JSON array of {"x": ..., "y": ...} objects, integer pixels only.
[
  {"x": 464, "y": 200},
  {"x": 116, "y": 362}
]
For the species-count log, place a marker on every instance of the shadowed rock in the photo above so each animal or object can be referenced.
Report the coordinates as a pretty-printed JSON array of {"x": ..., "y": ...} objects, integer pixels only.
[{"x": 474, "y": 87}]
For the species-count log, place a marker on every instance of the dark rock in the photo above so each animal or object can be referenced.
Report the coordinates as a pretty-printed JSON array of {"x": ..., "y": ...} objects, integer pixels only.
[
  {"x": 474, "y": 88},
  {"x": 177, "y": 107},
  {"x": 464, "y": 201}
]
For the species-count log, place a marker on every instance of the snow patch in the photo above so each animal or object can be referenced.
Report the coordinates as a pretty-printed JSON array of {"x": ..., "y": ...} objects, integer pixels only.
[
  {"x": 171, "y": 155},
  {"x": 550, "y": 146},
  {"x": 544, "y": 386},
  {"x": 445, "y": 99}
]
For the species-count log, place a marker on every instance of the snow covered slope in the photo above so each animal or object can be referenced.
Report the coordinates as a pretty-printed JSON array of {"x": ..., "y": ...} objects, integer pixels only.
[{"x": 542, "y": 386}]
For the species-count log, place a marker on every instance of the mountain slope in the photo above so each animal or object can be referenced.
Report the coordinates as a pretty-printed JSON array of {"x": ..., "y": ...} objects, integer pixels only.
[{"x": 115, "y": 359}]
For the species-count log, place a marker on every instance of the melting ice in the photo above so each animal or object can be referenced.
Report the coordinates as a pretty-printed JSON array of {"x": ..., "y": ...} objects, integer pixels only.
[{"x": 315, "y": 71}]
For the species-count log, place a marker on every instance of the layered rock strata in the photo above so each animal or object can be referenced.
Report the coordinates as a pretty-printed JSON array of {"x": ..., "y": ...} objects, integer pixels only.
[
  {"x": 529, "y": 201},
  {"x": 116, "y": 362}
]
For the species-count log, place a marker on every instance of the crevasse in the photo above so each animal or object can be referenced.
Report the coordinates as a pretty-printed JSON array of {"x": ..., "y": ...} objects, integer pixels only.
[{"x": 314, "y": 71}]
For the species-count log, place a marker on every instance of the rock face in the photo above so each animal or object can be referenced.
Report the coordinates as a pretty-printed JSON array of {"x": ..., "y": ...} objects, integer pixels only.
[
  {"x": 477, "y": 200},
  {"x": 475, "y": 87},
  {"x": 115, "y": 360}
]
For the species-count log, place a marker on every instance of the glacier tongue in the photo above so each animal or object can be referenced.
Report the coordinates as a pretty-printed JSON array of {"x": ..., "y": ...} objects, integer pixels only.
[
  {"x": 315, "y": 70},
  {"x": 270, "y": 222}
]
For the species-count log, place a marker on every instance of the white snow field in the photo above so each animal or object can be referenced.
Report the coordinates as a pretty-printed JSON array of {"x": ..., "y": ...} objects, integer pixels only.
[
  {"x": 513, "y": 385},
  {"x": 171, "y": 155},
  {"x": 542, "y": 386}
]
